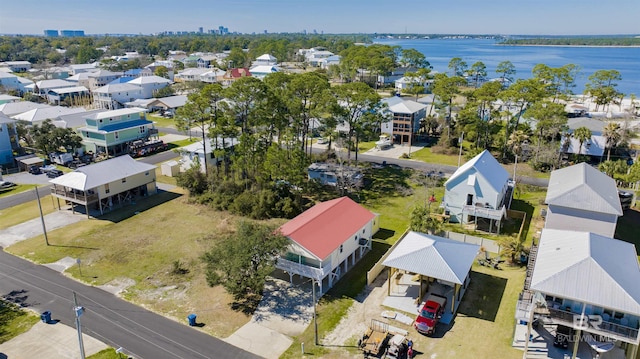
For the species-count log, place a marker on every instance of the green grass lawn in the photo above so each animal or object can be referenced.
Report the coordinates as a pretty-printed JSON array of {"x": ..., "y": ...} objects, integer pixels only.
[
  {"x": 628, "y": 227},
  {"x": 17, "y": 189},
  {"x": 426, "y": 155},
  {"x": 162, "y": 121},
  {"x": 26, "y": 211},
  {"x": 485, "y": 321},
  {"x": 138, "y": 244},
  {"x": 108, "y": 353},
  {"x": 14, "y": 321},
  {"x": 182, "y": 143}
]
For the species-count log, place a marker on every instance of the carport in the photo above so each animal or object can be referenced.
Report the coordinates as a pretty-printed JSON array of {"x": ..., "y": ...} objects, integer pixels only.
[
  {"x": 25, "y": 163},
  {"x": 437, "y": 264}
]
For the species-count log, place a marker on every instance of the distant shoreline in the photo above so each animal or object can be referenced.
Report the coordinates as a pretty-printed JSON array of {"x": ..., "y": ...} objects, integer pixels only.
[{"x": 594, "y": 46}]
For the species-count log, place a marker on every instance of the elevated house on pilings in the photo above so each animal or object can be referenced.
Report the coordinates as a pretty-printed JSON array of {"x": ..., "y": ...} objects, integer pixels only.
[
  {"x": 478, "y": 192},
  {"x": 327, "y": 240},
  {"x": 105, "y": 185},
  {"x": 587, "y": 282}
]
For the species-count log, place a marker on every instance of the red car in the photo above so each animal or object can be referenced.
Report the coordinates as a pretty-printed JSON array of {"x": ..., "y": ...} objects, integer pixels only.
[{"x": 429, "y": 314}]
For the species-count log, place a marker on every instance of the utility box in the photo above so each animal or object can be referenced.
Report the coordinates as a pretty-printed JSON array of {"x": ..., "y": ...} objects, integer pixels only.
[{"x": 170, "y": 168}]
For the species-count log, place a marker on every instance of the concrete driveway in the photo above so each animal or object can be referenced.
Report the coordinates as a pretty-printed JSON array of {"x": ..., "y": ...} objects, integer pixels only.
[
  {"x": 53, "y": 340},
  {"x": 285, "y": 310}
]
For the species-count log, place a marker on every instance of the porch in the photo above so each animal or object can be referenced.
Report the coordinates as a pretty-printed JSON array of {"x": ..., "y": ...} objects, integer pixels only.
[
  {"x": 324, "y": 274},
  {"x": 479, "y": 213}
]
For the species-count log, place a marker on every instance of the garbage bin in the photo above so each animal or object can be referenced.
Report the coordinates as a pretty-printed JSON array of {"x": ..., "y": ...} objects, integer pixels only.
[
  {"x": 192, "y": 319},
  {"x": 45, "y": 316}
]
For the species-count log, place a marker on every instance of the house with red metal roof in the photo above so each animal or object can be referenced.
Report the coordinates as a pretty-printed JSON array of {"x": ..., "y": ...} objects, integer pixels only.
[
  {"x": 327, "y": 240},
  {"x": 234, "y": 74}
]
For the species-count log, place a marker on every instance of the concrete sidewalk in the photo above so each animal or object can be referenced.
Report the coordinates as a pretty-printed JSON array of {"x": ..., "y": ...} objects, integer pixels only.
[{"x": 53, "y": 340}]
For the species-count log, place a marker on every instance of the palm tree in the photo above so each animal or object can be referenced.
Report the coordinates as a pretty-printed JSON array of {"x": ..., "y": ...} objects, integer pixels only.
[
  {"x": 516, "y": 140},
  {"x": 613, "y": 136},
  {"x": 582, "y": 134}
]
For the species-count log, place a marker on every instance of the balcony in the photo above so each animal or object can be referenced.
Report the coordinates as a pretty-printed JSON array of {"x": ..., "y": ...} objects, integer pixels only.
[
  {"x": 303, "y": 269},
  {"x": 74, "y": 195},
  {"x": 595, "y": 324}
]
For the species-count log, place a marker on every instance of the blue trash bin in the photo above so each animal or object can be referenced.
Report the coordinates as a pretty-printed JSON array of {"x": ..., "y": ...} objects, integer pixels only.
[
  {"x": 46, "y": 316},
  {"x": 192, "y": 319}
]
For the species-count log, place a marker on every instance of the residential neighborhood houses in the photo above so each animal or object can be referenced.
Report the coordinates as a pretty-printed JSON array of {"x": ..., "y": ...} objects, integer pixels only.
[{"x": 564, "y": 250}]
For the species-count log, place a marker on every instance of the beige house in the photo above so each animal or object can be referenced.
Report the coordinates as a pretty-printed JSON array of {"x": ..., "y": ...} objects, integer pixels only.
[{"x": 105, "y": 184}]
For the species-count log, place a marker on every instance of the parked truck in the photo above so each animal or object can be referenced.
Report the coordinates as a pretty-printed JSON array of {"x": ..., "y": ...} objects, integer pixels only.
[{"x": 429, "y": 314}]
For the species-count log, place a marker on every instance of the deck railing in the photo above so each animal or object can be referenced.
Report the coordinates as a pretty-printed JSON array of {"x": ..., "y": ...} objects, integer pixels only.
[
  {"x": 593, "y": 324},
  {"x": 75, "y": 196}
]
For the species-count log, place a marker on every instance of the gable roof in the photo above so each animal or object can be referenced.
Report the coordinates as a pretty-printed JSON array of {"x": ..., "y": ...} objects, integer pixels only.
[
  {"x": 170, "y": 101},
  {"x": 46, "y": 84},
  {"x": 94, "y": 175},
  {"x": 594, "y": 125},
  {"x": 407, "y": 107},
  {"x": 153, "y": 79},
  {"x": 116, "y": 113},
  {"x": 588, "y": 267},
  {"x": 45, "y": 113},
  {"x": 14, "y": 108},
  {"x": 263, "y": 69},
  {"x": 583, "y": 187},
  {"x": 324, "y": 227},
  {"x": 433, "y": 256},
  {"x": 485, "y": 165},
  {"x": 112, "y": 88},
  {"x": 266, "y": 57}
]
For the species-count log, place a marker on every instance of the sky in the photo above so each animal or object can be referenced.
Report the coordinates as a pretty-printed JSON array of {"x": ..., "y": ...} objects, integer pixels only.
[{"x": 502, "y": 17}]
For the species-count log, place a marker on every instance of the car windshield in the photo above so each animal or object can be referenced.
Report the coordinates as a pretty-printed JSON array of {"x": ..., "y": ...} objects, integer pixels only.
[{"x": 426, "y": 314}]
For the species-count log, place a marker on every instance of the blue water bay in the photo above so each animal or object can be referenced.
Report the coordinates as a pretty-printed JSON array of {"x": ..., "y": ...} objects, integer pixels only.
[{"x": 439, "y": 52}]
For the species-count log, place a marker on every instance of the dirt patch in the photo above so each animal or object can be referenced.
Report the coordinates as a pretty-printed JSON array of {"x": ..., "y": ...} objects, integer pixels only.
[{"x": 118, "y": 285}]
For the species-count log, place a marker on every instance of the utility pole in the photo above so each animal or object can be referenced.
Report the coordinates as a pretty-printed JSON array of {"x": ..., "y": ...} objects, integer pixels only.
[
  {"x": 78, "y": 311},
  {"x": 460, "y": 153},
  {"x": 315, "y": 318},
  {"x": 44, "y": 228}
]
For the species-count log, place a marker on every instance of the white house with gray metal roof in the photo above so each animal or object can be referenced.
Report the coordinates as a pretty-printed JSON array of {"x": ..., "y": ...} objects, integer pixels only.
[
  {"x": 403, "y": 120},
  {"x": 588, "y": 282},
  {"x": 105, "y": 184},
  {"x": 478, "y": 190},
  {"x": 581, "y": 198}
]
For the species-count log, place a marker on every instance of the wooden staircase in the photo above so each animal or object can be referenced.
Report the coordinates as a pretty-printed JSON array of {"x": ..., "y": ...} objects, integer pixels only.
[{"x": 533, "y": 253}]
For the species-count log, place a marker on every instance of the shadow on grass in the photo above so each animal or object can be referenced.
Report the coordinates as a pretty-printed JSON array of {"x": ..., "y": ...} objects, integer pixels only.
[
  {"x": 528, "y": 208},
  {"x": 383, "y": 234},
  {"x": 77, "y": 247},
  {"x": 482, "y": 298},
  {"x": 146, "y": 203},
  {"x": 628, "y": 227},
  {"x": 384, "y": 183},
  {"x": 19, "y": 298},
  {"x": 353, "y": 282}
]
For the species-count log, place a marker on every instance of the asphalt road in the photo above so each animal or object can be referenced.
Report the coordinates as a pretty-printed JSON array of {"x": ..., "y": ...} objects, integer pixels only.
[{"x": 141, "y": 333}]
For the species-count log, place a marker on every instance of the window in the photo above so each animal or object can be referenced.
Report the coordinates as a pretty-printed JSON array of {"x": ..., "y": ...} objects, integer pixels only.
[
  {"x": 116, "y": 135},
  {"x": 341, "y": 248},
  {"x": 106, "y": 188},
  {"x": 146, "y": 173},
  {"x": 363, "y": 231},
  {"x": 124, "y": 180},
  {"x": 356, "y": 238},
  {"x": 100, "y": 120}
]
